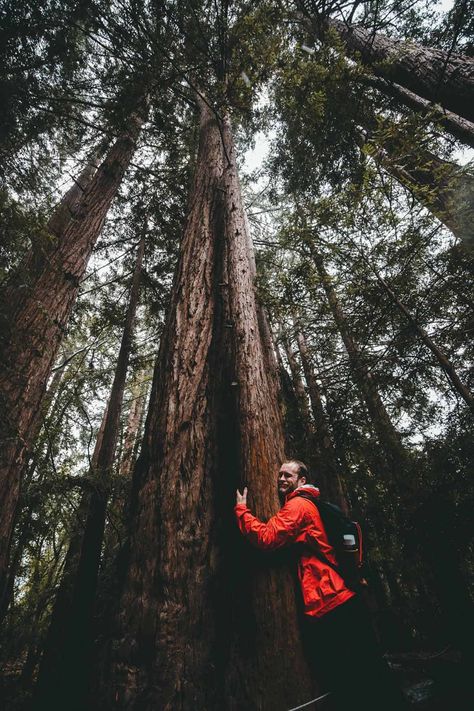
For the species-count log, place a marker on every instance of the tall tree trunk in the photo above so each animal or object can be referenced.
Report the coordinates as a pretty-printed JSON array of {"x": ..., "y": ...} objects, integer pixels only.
[
  {"x": 134, "y": 423},
  {"x": 387, "y": 434},
  {"x": 295, "y": 434},
  {"x": 24, "y": 525},
  {"x": 63, "y": 674},
  {"x": 38, "y": 315},
  {"x": 328, "y": 461},
  {"x": 298, "y": 384},
  {"x": 438, "y": 76},
  {"x": 443, "y": 187},
  {"x": 457, "y": 126},
  {"x": 187, "y": 639},
  {"x": 163, "y": 658},
  {"x": 262, "y": 587}
]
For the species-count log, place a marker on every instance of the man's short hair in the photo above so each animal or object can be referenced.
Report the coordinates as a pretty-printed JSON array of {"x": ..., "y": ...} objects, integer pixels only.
[{"x": 302, "y": 468}]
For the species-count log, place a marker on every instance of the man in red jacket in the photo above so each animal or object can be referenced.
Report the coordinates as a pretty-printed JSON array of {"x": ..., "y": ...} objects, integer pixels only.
[{"x": 344, "y": 646}]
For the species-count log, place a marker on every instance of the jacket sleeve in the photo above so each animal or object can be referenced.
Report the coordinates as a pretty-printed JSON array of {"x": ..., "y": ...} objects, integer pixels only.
[{"x": 281, "y": 529}]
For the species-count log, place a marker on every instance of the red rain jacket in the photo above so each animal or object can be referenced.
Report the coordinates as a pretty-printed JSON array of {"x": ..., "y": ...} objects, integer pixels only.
[{"x": 298, "y": 521}]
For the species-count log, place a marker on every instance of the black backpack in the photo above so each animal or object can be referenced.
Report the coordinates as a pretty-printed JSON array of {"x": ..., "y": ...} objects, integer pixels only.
[{"x": 345, "y": 536}]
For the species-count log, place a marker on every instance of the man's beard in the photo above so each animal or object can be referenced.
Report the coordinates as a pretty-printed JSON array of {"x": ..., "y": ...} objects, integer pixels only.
[{"x": 283, "y": 493}]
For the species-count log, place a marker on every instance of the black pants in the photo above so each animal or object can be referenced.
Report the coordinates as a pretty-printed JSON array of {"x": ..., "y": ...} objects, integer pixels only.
[{"x": 348, "y": 662}]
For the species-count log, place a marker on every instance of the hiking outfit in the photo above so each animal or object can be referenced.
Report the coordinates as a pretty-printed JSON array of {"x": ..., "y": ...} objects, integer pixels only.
[{"x": 338, "y": 634}]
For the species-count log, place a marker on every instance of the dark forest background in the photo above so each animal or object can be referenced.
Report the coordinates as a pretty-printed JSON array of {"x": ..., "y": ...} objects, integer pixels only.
[{"x": 230, "y": 232}]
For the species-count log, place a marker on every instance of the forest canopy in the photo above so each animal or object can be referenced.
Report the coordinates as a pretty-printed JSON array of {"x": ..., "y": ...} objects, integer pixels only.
[{"x": 232, "y": 233}]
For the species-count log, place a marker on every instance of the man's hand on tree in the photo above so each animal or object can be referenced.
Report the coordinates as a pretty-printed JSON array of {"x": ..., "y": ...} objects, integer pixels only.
[{"x": 242, "y": 498}]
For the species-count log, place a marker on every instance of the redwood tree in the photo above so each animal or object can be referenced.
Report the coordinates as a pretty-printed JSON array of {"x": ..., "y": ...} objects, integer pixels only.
[
  {"x": 442, "y": 77},
  {"x": 63, "y": 673},
  {"x": 37, "y": 314},
  {"x": 201, "y": 624}
]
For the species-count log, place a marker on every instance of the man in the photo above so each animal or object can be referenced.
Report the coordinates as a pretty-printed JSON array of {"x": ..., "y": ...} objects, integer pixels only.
[{"x": 344, "y": 647}]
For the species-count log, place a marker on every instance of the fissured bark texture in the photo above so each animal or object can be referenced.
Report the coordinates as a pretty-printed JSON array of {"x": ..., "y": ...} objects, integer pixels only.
[{"x": 204, "y": 623}]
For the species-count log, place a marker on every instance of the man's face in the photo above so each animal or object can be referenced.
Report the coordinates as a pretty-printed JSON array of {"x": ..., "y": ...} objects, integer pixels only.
[{"x": 288, "y": 479}]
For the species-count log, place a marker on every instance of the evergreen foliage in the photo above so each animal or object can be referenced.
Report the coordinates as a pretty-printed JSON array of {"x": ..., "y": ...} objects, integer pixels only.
[{"x": 354, "y": 179}]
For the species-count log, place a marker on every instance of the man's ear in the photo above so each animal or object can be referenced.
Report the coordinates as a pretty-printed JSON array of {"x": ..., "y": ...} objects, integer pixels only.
[{"x": 302, "y": 479}]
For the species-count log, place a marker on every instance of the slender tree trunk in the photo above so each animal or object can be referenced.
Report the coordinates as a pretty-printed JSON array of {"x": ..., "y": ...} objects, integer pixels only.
[
  {"x": 457, "y": 126},
  {"x": 443, "y": 187},
  {"x": 134, "y": 423},
  {"x": 295, "y": 434},
  {"x": 438, "y": 76},
  {"x": 387, "y": 434},
  {"x": 38, "y": 315},
  {"x": 445, "y": 364},
  {"x": 298, "y": 384},
  {"x": 328, "y": 461},
  {"x": 64, "y": 668},
  {"x": 301, "y": 424},
  {"x": 200, "y": 626}
]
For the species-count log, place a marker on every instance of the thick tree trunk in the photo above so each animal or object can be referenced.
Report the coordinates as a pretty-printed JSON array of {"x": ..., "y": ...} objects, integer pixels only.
[
  {"x": 200, "y": 626},
  {"x": 438, "y": 76},
  {"x": 38, "y": 315},
  {"x": 445, "y": 364},
  {"x": 387, "y": 434},
  {"x": 269, "y": 675},
  {"x": 164, "y": 657},
  {"x": 328, "y": 461},
  {"x": 24, "y": 523},
  {"x": 63, "y": 675}
]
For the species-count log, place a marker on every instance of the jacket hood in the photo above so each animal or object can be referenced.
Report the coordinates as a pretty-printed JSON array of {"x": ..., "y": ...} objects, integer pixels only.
[{"x": 306, "y": 490}]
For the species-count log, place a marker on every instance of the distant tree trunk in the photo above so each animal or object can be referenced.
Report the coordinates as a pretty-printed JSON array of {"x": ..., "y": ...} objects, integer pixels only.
[
  {"x": 63, "y": 673},
  {"x": 38, "y": 315},
  {"x": 457, "y": 126},
  {"x": 445, "y": 364},
  {"x": 443, "y": 187},
  {"x": 328, "y": 460},
  {"x": 298, "y": 444},
  {"x": 134, "y": 423},
  {"x": 438, "y": 76},
  {"x": 387, "y": 434},
  {"x": 298, "y": 384},
  {"x": 188, "y": 637}
]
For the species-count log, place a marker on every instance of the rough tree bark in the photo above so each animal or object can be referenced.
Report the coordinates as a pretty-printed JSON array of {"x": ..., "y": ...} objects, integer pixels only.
[
  {"x": 196, "y": 630},
  {"x": 328, "y": 461},
  {"x": 387, "y": 434},
  {"x": 63, "y": 674},
  {"x": 265, "y": 589},
  {"x": 38, "y": 314},
  {"x": 438, "y": 76}
]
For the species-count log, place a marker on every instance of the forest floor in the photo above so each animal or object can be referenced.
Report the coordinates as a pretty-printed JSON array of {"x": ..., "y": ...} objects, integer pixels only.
[{"x": 433, "y": 681}]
